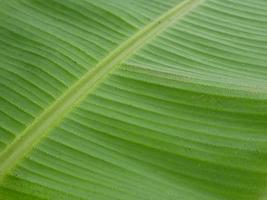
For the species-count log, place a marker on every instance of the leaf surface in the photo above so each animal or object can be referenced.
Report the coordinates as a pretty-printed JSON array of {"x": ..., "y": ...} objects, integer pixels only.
[{"x": 133, "y": 99}]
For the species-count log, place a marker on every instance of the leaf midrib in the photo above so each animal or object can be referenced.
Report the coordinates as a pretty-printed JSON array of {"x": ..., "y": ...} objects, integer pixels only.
[{"x": 75, "y": 94}]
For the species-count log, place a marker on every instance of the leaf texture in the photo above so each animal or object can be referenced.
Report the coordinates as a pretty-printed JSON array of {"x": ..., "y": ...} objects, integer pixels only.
[{"x": 183, "y": 115}]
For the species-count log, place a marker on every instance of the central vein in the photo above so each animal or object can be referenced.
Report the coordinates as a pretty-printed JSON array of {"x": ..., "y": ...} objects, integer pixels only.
[{"x": 57, "y": 111}]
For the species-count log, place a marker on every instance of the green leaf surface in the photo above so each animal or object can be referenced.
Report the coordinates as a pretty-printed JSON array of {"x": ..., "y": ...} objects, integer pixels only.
[{"x": 133, "y": 99}]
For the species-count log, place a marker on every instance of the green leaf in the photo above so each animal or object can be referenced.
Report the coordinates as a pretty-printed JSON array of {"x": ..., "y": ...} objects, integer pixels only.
[{"x": 133, "y": 99}]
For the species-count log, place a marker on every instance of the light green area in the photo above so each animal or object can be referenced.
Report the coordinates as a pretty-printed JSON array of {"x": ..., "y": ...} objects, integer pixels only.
[{"x": 133, "y": 99}]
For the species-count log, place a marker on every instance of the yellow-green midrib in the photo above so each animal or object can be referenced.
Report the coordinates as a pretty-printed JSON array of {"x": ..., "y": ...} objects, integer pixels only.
[{"x": 55, "y": 112}]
